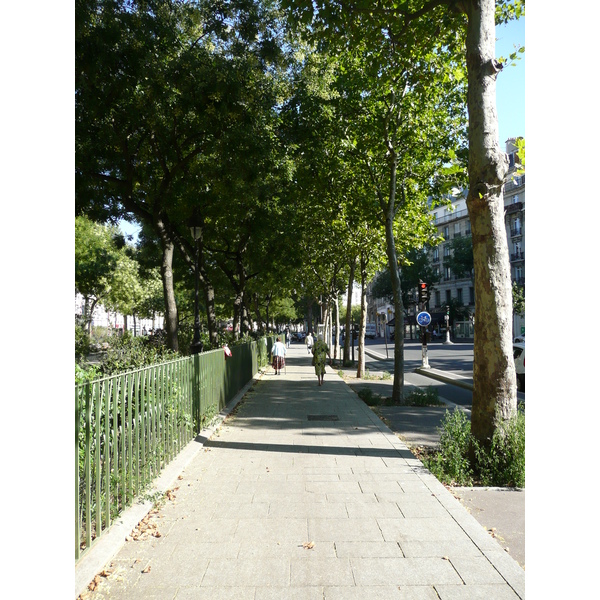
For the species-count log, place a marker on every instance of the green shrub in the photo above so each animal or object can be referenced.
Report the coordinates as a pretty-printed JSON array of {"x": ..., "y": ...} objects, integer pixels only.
[
  {"x": 367, "y": 396},
  {"x": 82, "y": 342},
  {"x": 85, "y": 373},
  {"x": 127, "y": 352},
  {"x": 502, "y": 464},
  {"x": 451, "y": 463}
]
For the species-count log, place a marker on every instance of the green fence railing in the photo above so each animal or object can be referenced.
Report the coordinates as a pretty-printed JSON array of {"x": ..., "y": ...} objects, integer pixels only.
[{"x": 129, "y": 426}]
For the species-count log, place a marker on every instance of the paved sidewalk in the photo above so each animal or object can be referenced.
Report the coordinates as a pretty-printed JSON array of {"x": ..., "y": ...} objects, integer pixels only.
[{"x": 305, "y": 494}]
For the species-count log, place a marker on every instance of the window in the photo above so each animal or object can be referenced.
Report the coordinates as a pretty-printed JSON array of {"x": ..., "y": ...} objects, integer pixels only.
[
  {"x": 448, "y": 296},
  {"x": 459, "y": 295},
  {"x": 446, "y": 233},
  {"x": 436, "y": 254},
  {"x": 446, "y": 250},
  {"x": 447, "y": 274},
  {"x": 518, "y": 250},
  {"x": 438, "y": 298},
  {"x": 456, "y": 229},
  {"x": 471, "y": 295}
]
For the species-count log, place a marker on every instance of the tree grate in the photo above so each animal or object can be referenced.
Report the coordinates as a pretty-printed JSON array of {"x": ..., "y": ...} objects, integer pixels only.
[{"x": 323, "y": 417}]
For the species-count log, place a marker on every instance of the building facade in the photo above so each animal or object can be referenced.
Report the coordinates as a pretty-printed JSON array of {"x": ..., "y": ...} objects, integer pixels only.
[{"x": 116, "y": 321}]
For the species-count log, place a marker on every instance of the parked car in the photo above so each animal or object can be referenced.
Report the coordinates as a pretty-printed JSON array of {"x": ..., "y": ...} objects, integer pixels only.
[
  {"x": 371, "y": 330},
  {"x": 519, "y": 355},
  {"x": 520, "y": 339}
]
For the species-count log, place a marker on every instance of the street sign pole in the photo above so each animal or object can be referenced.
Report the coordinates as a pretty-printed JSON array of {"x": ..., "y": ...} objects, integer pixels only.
[
  {"x": 424, "y": 319},
  {"x": 424, "y": 358}
]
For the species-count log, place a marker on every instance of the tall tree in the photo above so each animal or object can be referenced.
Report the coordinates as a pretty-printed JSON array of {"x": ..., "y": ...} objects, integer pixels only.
[
  {"x": 96, "y": 258},
  {"x": 159, "y": 85}
]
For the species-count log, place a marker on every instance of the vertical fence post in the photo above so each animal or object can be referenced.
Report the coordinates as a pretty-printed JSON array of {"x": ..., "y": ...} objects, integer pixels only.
[
  {"x": 196, "y": 392},
  {"x": 88, "y": 465},
  {"x": 77, "y": 479}
]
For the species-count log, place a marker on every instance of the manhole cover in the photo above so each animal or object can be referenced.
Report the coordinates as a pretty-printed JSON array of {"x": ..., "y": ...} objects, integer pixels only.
[{"x": 322, "y": 417}]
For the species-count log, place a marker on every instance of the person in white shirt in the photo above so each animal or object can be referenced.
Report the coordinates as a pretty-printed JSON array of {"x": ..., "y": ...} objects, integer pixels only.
[
  {"x": 278, "y": 352},
  {"x": 309, "y": 342}
]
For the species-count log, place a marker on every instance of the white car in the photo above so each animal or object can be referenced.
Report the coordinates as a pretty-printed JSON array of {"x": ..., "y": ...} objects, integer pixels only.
[
  {"x": 519, "y": 356},
  {"x": 520, "y": 339}
]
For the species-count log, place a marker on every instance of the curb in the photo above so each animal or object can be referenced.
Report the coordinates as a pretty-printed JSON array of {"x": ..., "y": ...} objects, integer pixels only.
[
  {"x": 441, "y": 376},
  {"x": 110, "y": 543}
]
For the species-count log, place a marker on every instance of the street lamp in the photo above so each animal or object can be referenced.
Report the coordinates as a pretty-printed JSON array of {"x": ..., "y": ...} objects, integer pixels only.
[
  {"x": 197, "y": 346},
  {"x": 447, "y": 319}
]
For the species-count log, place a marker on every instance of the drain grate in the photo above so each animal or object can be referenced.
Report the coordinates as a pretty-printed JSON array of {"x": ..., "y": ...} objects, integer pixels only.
[{"x": 323, "y": 418}]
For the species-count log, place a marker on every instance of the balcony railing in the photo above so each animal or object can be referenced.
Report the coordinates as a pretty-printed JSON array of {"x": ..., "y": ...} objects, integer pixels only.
[
  {"x": 513, "y": 208},
  {"x": 460, "y": 214}
]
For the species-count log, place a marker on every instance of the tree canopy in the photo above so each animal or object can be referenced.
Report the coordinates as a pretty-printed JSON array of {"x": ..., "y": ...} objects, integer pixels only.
[{"x": 307, "y": 141}]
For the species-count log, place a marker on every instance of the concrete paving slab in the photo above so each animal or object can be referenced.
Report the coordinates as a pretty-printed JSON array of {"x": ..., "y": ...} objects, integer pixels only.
[{"x": 499, "y": 511}]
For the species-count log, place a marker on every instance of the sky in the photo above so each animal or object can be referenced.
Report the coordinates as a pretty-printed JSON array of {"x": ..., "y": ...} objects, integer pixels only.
[{"x": 510, "y": 83}]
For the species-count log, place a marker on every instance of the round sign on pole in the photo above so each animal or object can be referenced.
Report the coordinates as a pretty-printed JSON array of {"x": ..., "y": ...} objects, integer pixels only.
[{"x": 423, "y": 319}]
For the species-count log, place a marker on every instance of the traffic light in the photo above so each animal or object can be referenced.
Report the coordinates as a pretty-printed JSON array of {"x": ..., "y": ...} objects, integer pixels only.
[{"x": 423, "y": 292}]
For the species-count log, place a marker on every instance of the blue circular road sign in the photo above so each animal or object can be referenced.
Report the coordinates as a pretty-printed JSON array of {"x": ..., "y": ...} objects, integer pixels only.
[{"x": 423, "y": 319}]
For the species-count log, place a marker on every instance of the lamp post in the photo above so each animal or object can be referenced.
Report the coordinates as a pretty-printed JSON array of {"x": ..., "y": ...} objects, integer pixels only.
[
  {"x": 197, "y": 346},
  {"x": 447, "y": 319}
]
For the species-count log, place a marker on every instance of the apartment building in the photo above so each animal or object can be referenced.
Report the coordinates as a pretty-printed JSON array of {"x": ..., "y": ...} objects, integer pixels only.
[{"x": 454, "y": 223}]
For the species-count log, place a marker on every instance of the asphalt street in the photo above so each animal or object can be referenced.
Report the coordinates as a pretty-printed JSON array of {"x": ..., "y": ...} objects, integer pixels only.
[{"x": 455, "y": 359}]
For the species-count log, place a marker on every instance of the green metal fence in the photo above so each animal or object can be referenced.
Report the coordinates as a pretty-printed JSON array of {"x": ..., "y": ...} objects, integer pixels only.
[{"x": 129, "y": 426}]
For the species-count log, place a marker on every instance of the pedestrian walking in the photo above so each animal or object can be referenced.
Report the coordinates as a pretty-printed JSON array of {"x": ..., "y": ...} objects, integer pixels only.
[
  {"x": 287, "y": 338},
  {"x": 309, "y": 342},
  {"x": 320, "y": 354},
  {"x": 278, "y": 352}
]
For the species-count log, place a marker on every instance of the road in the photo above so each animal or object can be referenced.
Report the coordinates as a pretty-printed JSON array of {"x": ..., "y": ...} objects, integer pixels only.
[{"x": 452, "y": 358}]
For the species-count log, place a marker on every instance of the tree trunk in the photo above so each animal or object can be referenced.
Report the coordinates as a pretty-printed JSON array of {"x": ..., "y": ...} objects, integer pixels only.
[
  {"x": 336, "y": 351},
  {"x": 494, "y": 378},
  {"x": 259, "y": 320},
  {"x": 211, "y": 317},
  {"x": 166, "y": 271},
  {"x": 209, "y": 293},
  {"x": 237, "y": 315},
  {"x": 348, "y": 336},
  {"x": 360, "y": 369},
  {"x": 398, "y": 385}
]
